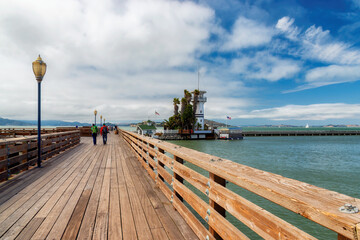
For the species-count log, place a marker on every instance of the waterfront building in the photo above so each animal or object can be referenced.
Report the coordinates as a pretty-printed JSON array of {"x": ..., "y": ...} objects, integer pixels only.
[
  {"x": 145, "y": 129},
  {"x": 199, "y": 114}
]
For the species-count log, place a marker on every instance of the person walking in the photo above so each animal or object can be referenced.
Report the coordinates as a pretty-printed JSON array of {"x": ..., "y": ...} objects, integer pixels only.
[
  {"x": 94, "y": 131},
  {"x": 104, "y": 132}
]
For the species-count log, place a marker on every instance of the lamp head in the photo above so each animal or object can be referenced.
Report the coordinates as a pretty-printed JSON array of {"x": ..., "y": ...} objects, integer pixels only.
[
  {"x": 39, "y": 68},
  {"x": 95, "y": 112}
]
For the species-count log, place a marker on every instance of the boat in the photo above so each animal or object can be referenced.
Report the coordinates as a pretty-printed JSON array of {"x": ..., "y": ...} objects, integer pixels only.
[
  {"x": 307, "y": 126},
  {"x": 229, "y": 134}
]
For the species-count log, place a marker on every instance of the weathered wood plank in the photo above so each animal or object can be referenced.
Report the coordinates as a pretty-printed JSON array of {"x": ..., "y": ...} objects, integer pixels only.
[
  {"x": 127, "y": 219},
  {"x": 88, "y": 222},
  {"x": 115, "y": 228},
  {"x": 12, "y": 214},
  {"x": 142, "y": 227},
  {"x": 102, "y": 215}
]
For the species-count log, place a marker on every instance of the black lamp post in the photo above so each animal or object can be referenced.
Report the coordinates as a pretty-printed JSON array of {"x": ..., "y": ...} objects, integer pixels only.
[
  {"x": 95, "y": 112},
  {"x": 39, "y": 68}
]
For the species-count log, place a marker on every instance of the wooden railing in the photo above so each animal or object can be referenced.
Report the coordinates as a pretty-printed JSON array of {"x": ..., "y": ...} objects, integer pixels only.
[
  {"x": 85, "y": 131},
  {"x": 317, "y": 204},
  {"x": 18, "y": 154}
]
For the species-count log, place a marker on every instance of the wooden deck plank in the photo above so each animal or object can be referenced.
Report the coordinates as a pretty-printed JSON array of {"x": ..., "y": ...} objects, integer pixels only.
[
  {"x": 10, "y": 189},
  {"x": 88, "y": 222},
  {"x": 170, "y": 227},
  {"x": 20, "y": 198},
  {"x": 127, "y": 219},
  {"x": 38, "y": 199},
  {"x": 91, "y": 192},
  {"x": 73, "y": 226},
  {"x": 30, "y": 229},
  {"x": 115, "y": 228},
  {"x": 141, "y": 224},
  {"x": 62, "y": 221},
  {"x": 102, "y": 216},
  {"x": 54, "y": 206},
  {"x": 159, "y": 234},
  {"x": 148, "y": 208}
]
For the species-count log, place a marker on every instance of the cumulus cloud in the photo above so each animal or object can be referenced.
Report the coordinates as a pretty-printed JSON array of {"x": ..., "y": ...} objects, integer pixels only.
[
  {"x": 122, "y": 58},
  {"x": 265, "y": 66},
  {"x": 247, "y": 33},
  {"x": 307, "y": 112},
  {"x": 317, "y": 44},
  {"x": 286, "y": 26}
]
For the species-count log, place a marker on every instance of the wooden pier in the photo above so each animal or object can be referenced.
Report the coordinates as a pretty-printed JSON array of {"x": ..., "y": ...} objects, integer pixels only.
[
  {"x": 137, "y": 187},
  {"x": 89, "y": 192}
]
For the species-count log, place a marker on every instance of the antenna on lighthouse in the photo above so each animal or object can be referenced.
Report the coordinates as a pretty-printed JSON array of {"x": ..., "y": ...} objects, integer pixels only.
[{"x": 198, "y": 77}]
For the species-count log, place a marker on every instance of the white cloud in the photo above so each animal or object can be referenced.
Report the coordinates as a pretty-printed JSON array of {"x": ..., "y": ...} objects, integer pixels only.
[
  {"x": 317, "y": 44},
  {"x": 286, "y": 25},
  {"x": 307, "y": 112},
  {"x": 116, "y": 56},
  {"x": 247, "y": 33},
  {"x": 333, "y": 74},
  {"x": 265, "y": 66}
]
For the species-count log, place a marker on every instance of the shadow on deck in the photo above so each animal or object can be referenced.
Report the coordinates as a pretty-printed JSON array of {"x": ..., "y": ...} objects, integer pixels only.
[{"x": 89, "y": 192}]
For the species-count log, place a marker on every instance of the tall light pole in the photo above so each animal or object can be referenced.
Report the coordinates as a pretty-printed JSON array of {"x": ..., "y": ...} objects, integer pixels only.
[
  {"x": 95, "y": 112},
  {"x": 101, "y": 120},
  {"x": 104, "y": 120},
  {"x": 39, "y": 68}
]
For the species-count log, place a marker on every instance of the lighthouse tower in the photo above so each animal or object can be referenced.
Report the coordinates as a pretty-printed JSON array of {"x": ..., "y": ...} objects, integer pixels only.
[{"x": 199, "y": 114}]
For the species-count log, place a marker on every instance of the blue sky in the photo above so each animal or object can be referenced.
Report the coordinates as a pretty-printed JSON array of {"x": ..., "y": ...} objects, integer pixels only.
[{"x": 261, "y": 62}]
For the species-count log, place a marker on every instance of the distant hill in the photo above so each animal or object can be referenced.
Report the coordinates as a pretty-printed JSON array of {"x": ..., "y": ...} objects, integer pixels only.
[
  {"x": 57, "y": 123},
  {"x": 10, "y": 122},
  {"x": 215, "y": 124}
]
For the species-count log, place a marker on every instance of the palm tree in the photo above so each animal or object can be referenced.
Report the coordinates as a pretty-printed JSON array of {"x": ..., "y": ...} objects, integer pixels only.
[
  {"x": 183, "y": 105},
  {"x": 196, "y": 98},
  {"x": 187, "y": 96},
  {"x": 176, "y": 107}
]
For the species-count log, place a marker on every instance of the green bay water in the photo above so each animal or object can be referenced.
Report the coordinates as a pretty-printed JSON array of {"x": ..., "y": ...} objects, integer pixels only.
[{"x": 330, "y": 162}]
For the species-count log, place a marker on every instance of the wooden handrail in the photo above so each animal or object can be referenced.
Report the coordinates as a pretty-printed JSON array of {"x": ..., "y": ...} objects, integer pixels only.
[
  {"x": 317, "y": 204},
  {"x": 18, "y": 154}
]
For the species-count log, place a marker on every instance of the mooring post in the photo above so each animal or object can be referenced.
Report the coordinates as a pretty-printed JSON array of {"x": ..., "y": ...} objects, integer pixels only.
[{"x": 214, "y": 205}]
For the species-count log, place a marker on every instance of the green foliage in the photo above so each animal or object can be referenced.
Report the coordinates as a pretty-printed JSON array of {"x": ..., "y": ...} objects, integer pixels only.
[{"x": 186, "y": 118}]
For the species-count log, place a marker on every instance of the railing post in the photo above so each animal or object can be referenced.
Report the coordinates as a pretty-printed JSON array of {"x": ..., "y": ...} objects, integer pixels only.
[
  {"x": 214, "y": 205},
  {"x": 150, "y": 155},
  {"x": 7, "y": 161},
  {"x": 160, "y": 163},
  {"x": 178, "y": 177},
  {"x": 341, "y": 237}
]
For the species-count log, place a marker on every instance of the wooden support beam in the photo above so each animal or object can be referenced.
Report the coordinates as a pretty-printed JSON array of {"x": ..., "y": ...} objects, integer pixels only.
[{"x": 216, "y": 206}]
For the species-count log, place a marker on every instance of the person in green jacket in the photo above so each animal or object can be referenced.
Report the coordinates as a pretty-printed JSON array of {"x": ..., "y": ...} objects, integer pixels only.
[{"x": 94, "y": 131}]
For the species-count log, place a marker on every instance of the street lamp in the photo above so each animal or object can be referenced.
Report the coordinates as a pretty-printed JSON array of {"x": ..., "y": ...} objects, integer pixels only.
[
  {"x": 95, "y": 112},
  {"x": 101, "y": 120},
  {"x": 39, "y": 68},
  {"x": 104, "y": 120}
]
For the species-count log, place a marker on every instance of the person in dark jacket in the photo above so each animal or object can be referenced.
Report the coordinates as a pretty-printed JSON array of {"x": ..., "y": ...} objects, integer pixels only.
[{"x": 104, "y": 132}]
